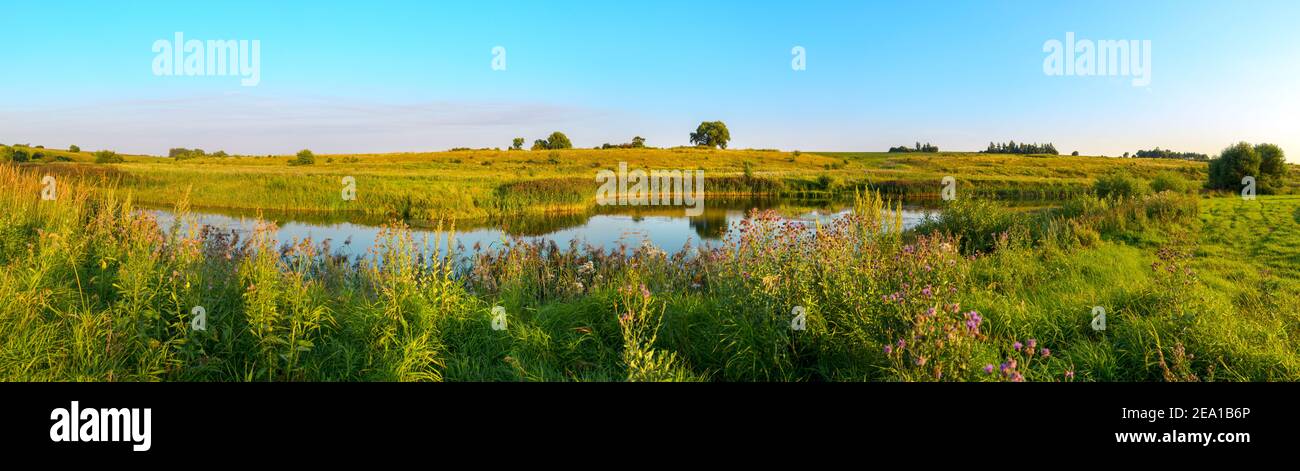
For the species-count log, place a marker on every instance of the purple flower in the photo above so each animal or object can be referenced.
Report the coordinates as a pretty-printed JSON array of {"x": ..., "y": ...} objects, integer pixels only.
[
  {"x": 973, "y": 321},
  {"x": 889, "y": 349},
  {"x": 1017, "y": 346},
  {"x": 901, "y": 344},
  {"x": 926, "y": 291},
  {"x": 929, "y": 312},
  {"x": 988, "y": 368},
  {"x": 1033, "y": 343},
  {"x": 1047, "y": 352},
  {"x": 1069, "y": 374}
]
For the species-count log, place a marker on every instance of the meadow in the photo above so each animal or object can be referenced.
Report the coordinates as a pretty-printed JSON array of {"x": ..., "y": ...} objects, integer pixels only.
[
  {"x": 1194, "y": 287},
  {"x": 479, "y": 185}
]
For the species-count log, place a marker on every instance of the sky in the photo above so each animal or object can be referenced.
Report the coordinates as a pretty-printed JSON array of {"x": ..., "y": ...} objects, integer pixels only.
[{"x": 394, "y": 76}]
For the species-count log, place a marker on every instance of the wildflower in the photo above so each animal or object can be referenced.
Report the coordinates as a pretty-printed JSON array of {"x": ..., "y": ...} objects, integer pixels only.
[
  {"x": 1069, "y": 374},
  {"x": 1047, "y": 352},
  {"x": 889, "y": 349},
  {"x": 926, "y": 291},
  {"x": 920, "y": 361},
  {"x": 901, "y": 344},
  {"x": 1017, "y": 377},
  {"x": 930, "y": 312},
  {"x": 1033, "y": 343},
  {"x": 973, "y": 321},
  {"x": 1017, "y": 346}
]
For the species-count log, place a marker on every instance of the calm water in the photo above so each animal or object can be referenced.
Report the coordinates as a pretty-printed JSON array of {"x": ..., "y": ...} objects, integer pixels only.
[{"x": 666, "y": 228}]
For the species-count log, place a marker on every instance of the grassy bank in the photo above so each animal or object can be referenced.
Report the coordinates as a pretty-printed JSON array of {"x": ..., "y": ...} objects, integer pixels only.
[
  {"x": 479, "y": 185},
  {"x": 98, "y": 292}
]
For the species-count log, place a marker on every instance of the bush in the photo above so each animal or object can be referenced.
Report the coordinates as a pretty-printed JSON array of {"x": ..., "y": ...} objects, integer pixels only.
[
  {"x": 20, "y": 155},
  {"x": 1119, "y": 184},
  {"x": 74, "y": 148},
  {"x": 305, "y": 157},
  {"x": 1265, "y": 162},
  {"x": 1169, "y": 181},
  {"x": 557, "y": 140},
  {"x": 108, "y": 157},
  {"x": 181, "y": 153},
  {"x": 979, "y": 224}
]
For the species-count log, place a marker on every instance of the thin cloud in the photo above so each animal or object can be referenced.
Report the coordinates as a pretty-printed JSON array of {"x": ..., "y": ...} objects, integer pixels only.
[{"x": 247, "y": 123}]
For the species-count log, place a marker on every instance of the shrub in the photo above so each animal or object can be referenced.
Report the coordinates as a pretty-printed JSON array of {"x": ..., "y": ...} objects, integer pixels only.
[
  {"x": 108, "y": 157},
  {"x": 181, "y": 153},
  {"x": 980, "y": 224},
  {"x": 74, "y": 148},
  {"x": 1119, "y": 184},
  {"x": 305, "y": 157},
  {"x": 1168, "y": 181}
]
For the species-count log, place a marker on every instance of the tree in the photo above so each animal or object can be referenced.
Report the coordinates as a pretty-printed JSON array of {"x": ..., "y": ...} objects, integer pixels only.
[
  {"x": 711, "y": 134},
  {"x": 1075, "y": 153},
  {"x": 557, "y": 140},
  {"x": 108, "y": 157},
  {"x": 74, "y": 148},
  {"x": 638, "y": 142},
  {"x": 517, "y": 143},
  {"x": 1265, "y": 162},
  {"x": 304, "y": 157},
  {"x": 1272, "y": 167}
]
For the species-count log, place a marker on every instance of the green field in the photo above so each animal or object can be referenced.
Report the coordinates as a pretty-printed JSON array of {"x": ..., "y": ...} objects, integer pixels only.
[
  {"x": 1194, "y": 287},
  {"x": 475, "y": 185}
]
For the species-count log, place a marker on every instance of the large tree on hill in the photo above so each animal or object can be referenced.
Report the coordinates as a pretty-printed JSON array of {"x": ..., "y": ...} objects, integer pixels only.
[{"x": 711, "y": 134}]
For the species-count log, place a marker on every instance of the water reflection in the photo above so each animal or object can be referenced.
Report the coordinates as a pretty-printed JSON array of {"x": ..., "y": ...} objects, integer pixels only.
[{"x": 607, "y": 227}]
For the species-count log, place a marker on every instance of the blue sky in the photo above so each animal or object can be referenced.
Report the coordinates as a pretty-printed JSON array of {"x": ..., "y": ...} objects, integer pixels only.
[{"x": 412, "y": 76}]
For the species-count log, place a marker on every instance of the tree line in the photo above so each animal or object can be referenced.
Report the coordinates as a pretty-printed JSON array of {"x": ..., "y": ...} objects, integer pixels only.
[
  {"x": 919, "y": 148},
  {"x": 1013, "y": 147},
  {"x": 1159, "y": 153}
]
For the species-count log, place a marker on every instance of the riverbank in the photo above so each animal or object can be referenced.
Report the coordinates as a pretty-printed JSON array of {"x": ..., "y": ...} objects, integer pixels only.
[{"x": 478, "y": 186}]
